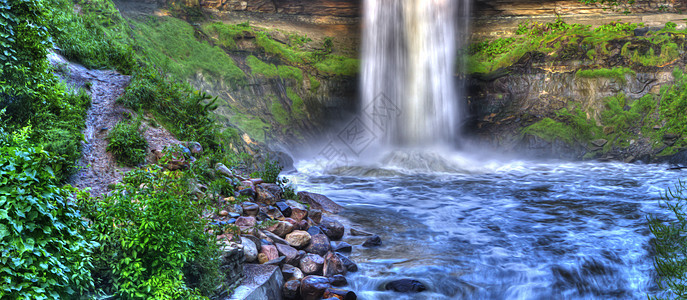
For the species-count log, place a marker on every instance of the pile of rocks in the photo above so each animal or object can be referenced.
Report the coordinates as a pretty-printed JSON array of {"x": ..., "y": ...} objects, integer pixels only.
[{"x": 300, "y": 236}]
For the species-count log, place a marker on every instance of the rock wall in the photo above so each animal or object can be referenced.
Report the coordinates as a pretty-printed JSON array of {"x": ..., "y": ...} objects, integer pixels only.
[
  {"x": 335, "y": 8},
  {"x": 501, "y": 107}
]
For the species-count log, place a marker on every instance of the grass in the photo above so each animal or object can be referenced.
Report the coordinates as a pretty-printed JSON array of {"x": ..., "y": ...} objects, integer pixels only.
[
  {"x": 619, "y": 122},
  {"x": 226, "y": 35},
  {"x": 280, "y": 114},
  {"x": 255, "y": 127},
  {"x": 339, "y": 65},
  {"x": 257, "y": 66},
  {"x": 171, "y": 45},
  {"x": 551, "y": 130},
  {"x": 618, "y": 73},
  {"x": 559, "y": 41},
  {"x": 297, "y": 104}
]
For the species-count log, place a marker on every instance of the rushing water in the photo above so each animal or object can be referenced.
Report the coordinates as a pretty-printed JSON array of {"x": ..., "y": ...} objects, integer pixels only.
[
  {"x": 408, "y": 86},
  {"x": 491, "y": 230}
]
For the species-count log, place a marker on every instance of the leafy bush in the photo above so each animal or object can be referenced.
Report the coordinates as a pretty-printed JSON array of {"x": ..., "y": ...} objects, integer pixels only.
[
  {"x": 670, "y": 245},
  {"x": 127, "y": 144},
  {"x": 43, "y": 252},
  {"x": 269, "y": 172},
  {"x": 153, "y": 239},
  {"x": 184, "y": 111},
  {"x": 96, "y": 37}
]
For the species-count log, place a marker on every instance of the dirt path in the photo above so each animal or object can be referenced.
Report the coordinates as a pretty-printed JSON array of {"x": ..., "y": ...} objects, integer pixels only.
[{"x": 97, "y": 166}]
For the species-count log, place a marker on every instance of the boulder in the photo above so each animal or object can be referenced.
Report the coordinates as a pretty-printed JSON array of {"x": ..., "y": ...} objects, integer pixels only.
[
  {"x": 264, "y": 196},
  {"x": 281, "y": 228},
  {"x": 313, "y": 287},
  {"x": 312, "y": 264},
  {"x": 319, "y": 244},
  {"x": 347, "y": 262},
  {"x": 274, "y": 238},
  {"x": 373, "y": 241},
  {"x": 250, "y": 251},
  {"x": 274, "y": 213},
  {"x": 284, "y": 208},
  {"x": 291, "y": 289},
  {"x": 253, "y": 239},
  {"x": 299, "y": 214},
  {"x": 318, "y": 201},
  {"x": 357, "y": 232},
  {"x": 195, "y": 147},
  {"x": 273, "y": 188},
  {"x": 333, "y": 293},
  {"x": 333, "y": 265},
  {"x": 303, "y": 225},
  {"x": 262, "y": 258},
  {"x": 342, "y": 247},
  {"x": 315, "y": 215},
  {"x": 291, "y": 272},
  {"x": 222, "y": 169},
  {"x": 313, "y": 230},
  {"x": 276, "y": 262},
  {"x": 245, "y": 222},
  {"x": 250, "y": 209},
  {"x": 338, "y": 280},
  {"x": 332, "y": 228},
  {"x": 270, "y": 251},
  {"x": 298, "y": 239},
  {"x": 290, "y": 254},
  {"x": 248, "y": 192},
  {"x": 405, "y": 286}
]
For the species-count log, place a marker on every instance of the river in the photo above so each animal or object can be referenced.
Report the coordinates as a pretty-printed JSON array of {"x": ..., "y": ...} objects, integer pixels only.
[{"x": 498, "y": 230}]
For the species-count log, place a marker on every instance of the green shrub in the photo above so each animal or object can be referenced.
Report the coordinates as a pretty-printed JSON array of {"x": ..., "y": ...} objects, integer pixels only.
[
  {"x": 153, "y": 239},
  {"x": 670, "y": 244},
  {"x": 127, "y": 144},
  {"x": 269, "y": 172},
  {"x": 96, "y": 37},
  {"x": 43, "y": 252},
  {"x": 257, "y": 66},
  {"x": 182, "y": 110}
]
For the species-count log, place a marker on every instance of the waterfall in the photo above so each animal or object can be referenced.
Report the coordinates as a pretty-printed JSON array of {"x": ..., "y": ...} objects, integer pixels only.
[{"x": 409, "y": 92}]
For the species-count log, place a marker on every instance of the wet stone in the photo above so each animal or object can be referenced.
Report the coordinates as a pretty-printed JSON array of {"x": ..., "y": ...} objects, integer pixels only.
[
  {"x": 405, "y": 286},
  {"x": 374, "y": 241}
]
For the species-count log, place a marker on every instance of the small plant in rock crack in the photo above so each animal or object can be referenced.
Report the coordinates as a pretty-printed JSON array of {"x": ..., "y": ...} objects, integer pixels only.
[{"x": 127, "y": 144}]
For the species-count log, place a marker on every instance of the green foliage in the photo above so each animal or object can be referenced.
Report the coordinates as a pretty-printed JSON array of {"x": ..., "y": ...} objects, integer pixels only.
[
  {"x": 127, "y": 144},
  {"x": 29, "y": 93},
  {"x": 558, "y": 40},
  {"x": 297, "y": 104},
  {"x": 269, "y": 172},
  {"x": 257, "y": 66},
  {"x": 279, "y": 113},
  {"x": 227, "y": 34},
  {"x": 153, "y": 239},
  {"x": 170, "y": 44},
  {"x": 551, "y": 130},
  {"x": 314, "y": 84},
  {"x": 618, "y": 73},
  {"x": 618, "y": 123},
  {"x": 254, "y": 126},
  {"x": 339, "y": 65},
  {"x": 182, "y": 110},
  {"x": 672, "y": 105},
  {"x": 670, "y": 244},
  {"x": 289, "y": 72},
  {"x": 44, "y": 252},
  {"x": 96, "y": 37},
  {"x": 24, "y": 43}
]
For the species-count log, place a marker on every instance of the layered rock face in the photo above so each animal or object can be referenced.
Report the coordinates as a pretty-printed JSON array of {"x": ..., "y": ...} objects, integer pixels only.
[{"x": 334, "y": 8}]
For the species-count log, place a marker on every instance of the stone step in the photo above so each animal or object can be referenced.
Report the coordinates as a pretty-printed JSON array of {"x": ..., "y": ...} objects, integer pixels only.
[{"x": 260, "y": 282}]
